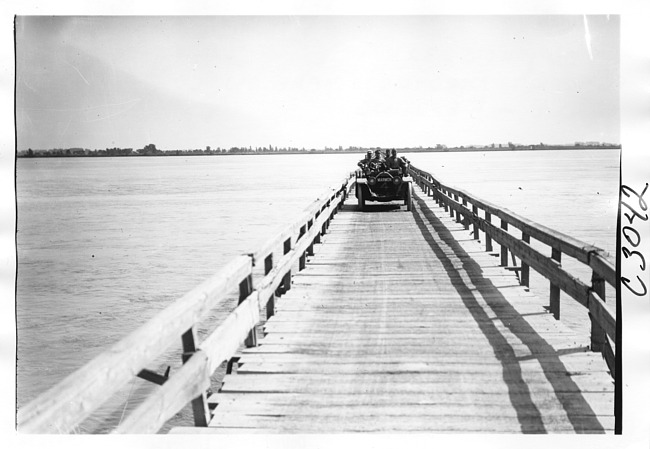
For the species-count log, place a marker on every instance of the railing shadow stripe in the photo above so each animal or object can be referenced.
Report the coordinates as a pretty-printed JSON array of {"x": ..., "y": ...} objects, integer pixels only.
[{"x": 519, "y": 392}]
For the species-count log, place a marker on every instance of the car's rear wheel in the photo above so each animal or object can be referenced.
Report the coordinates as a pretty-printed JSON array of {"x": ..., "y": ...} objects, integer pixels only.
[
  {"x": 409, "y": 197},
  {"x": 360, "y": 199}
]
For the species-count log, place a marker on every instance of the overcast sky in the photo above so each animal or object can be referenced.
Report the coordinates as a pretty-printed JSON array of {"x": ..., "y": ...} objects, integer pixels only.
[{"x": 315, "y": 81}]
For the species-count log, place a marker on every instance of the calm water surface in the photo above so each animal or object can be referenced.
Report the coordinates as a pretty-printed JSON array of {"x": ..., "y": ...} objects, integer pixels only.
[{"x": 104, "y": 244}]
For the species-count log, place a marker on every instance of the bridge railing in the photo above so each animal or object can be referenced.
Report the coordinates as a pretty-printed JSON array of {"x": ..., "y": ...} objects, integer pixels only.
[
  {"x": 64, "y": 407},
  {"x": 470, "y": 210}
]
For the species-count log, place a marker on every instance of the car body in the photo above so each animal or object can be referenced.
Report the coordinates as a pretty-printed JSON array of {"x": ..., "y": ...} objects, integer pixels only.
[{"x": 383, "y": 185}]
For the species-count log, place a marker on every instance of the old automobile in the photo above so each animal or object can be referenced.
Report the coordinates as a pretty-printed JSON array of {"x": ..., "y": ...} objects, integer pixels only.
[{"x": 377, "y": 183}]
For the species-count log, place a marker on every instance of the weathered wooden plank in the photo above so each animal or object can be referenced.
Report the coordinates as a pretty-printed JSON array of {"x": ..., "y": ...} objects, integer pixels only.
[
  {"x": 445, "y": 313},
  {"x": 446, "y": 310},
  {"x": 326, "y": 366},
  {"x": 389, "y": 336},
  {"x": 416, "y": 411},
  {"x": 376, "y": 294},
  {"x": 577, "y": 355},
  {"x": 428, "y": 338},
  {"x": 407, "y": 329},
  {"x": 502, "y": 347},
  {"x": 433, "y": 319},
  {"x": 426, "y": 382},
  {"x": 451, "y": 423},
  {"x": 578, "y": 402},
  {"x": 490, "y": 328},
  {"x": 506, "y": 346},
  {"x": 362, "y": 293},
  {"x": 364, "y": 308}
]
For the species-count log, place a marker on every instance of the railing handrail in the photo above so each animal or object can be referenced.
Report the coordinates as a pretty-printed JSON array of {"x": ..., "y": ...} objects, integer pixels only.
[{"x": 65, "y": 406}]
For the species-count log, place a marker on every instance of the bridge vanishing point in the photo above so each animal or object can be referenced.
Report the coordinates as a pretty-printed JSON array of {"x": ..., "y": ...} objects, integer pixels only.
[{"x": 379, "y": 321}]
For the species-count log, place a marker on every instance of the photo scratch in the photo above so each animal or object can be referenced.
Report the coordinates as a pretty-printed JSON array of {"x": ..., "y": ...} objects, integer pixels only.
[
  {"x": 129, "y": 104},
  {"x": 80, "y": 74},
  {"x": 588, "y": 38}
]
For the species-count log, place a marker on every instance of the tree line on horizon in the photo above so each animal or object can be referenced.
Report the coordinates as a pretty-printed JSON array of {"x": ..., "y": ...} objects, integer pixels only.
[{"x": 152, "y": 150}]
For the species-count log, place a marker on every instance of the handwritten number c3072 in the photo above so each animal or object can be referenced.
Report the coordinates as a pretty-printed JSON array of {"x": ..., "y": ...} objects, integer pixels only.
[{"x": 632, "y": 236}]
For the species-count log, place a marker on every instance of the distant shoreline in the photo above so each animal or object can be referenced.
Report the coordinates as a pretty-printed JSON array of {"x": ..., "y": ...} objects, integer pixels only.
[{"x": 174, "y": 153}]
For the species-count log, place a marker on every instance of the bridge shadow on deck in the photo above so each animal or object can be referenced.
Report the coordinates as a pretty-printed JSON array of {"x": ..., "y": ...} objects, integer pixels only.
[{"x": 579, "y": 412}]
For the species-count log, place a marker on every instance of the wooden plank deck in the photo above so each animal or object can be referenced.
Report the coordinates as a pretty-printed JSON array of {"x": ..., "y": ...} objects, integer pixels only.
[{"x": 401, "y": 322}]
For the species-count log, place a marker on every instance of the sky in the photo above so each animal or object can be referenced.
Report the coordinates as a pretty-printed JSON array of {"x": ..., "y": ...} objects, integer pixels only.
[{"x": 183, "y": 82}]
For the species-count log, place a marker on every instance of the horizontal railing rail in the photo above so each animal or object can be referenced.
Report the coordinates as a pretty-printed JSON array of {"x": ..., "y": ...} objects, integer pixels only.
[
  {"x": 465, "y": 207},
  {"x": 64, "y": 407}
]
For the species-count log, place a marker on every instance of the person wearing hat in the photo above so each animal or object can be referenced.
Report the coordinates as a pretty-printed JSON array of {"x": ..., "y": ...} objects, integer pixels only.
[
  {"x": 363, "y": 163},
  {"x": 395, "y": 162},
  {"x": 377, "y": 162}
]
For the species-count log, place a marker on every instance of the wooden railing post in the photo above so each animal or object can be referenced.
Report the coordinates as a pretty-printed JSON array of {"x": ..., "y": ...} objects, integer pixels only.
[
  {"x": 286, "y": 280},
  {"x": 475, "y": 215},
  {"x": 488, "y": 239},
  {"x": 554, "y": 300},
  {"x": 317, "y": 238},
  {"x": 525, "y": 269},
  {"x": 270, "y": 305},
  {"x": 245, "y": 289},
  {"x": 336, "y": 209},
  {"x": 329, "y": 218},
  {"x": 200, "y": 408},
  {"x": 458, "y": 211},
  {"x": 466, "y": 220},
  {"x": 598, "y": 337},
  {"x": 310, "y": 248},
  {"x": 445, "y": 201},
  {"x": 504, "y": 249},
  {"x": 302, "y": 262},
  {"x": 323, "y": 229}
]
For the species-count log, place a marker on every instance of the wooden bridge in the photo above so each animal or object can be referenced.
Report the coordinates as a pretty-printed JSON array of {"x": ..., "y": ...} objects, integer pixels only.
[{"x": 381, "y": 321}]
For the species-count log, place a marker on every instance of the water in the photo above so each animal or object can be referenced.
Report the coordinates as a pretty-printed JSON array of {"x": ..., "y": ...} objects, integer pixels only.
[{"x": 104, "y": 244}]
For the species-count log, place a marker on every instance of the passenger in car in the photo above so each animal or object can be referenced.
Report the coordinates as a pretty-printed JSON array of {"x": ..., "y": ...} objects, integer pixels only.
[
  {"x": 378, "y": 162},
  {"x": 363, "y": 163},
  {"x": 396, "y": 162}
]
